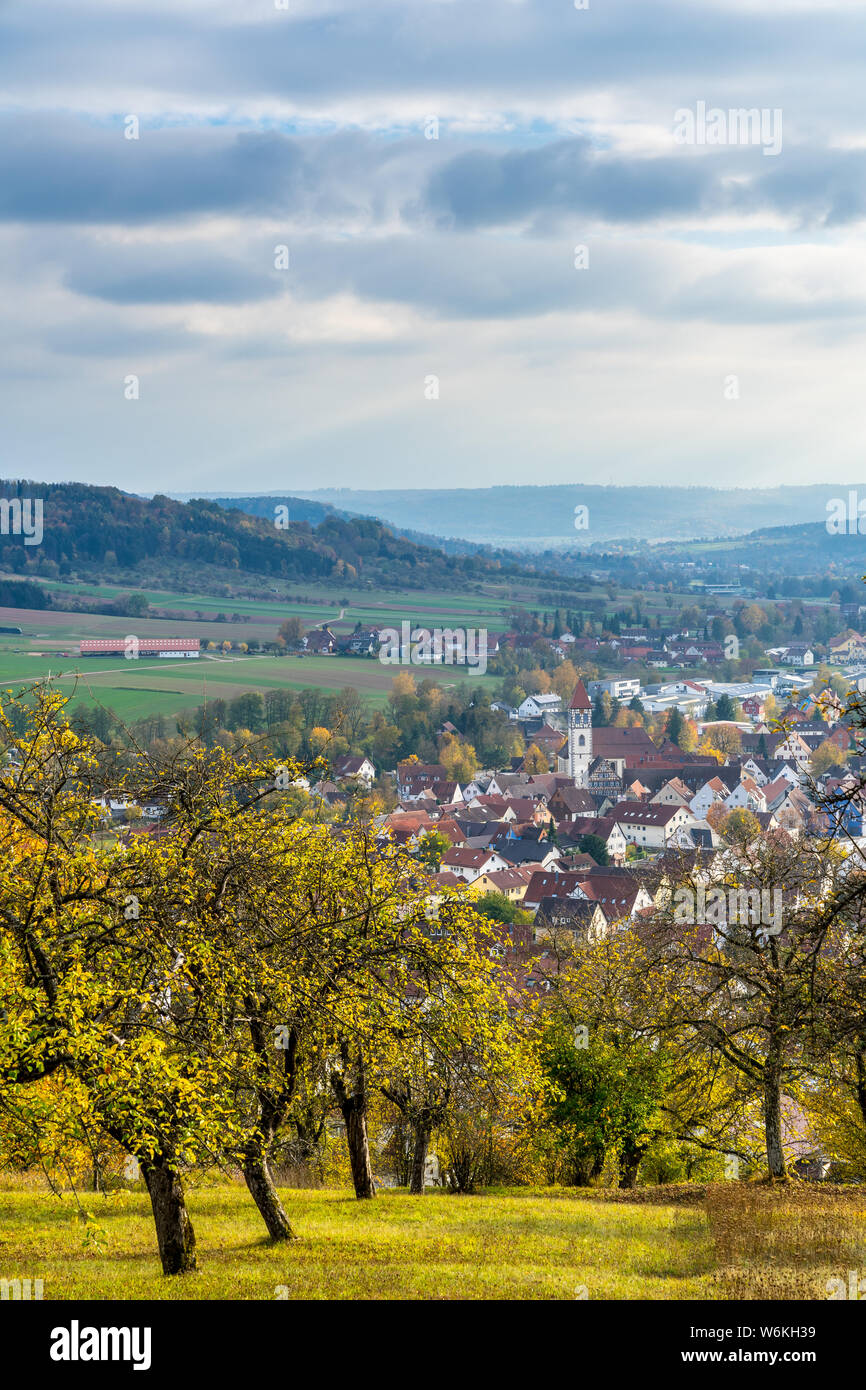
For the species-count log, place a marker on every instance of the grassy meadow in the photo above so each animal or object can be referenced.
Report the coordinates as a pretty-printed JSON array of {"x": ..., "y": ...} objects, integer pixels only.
[
  {"x": 508, "y": 1245},
  {"x": 730, "y": 1240}
]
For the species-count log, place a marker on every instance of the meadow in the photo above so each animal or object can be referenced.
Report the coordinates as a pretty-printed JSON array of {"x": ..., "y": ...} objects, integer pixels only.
[
  {"x": 730, "y": 1240},
  {"x": 508, "y": 1245}
]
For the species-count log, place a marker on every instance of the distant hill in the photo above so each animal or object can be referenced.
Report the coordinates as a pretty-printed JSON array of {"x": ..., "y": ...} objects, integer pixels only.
[
  {"x": 102, "y": 530},
  {"x": 785, "y": 549},
  {"x": 302, "y": 509},
  {"x": 525, "y": 516}
]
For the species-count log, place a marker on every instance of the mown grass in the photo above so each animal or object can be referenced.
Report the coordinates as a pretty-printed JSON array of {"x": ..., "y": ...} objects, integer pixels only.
[{"x": 505, "y": 1245}]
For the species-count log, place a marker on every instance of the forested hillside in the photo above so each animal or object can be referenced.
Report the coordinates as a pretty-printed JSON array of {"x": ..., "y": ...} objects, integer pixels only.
[{"x": 101, "y": 529}]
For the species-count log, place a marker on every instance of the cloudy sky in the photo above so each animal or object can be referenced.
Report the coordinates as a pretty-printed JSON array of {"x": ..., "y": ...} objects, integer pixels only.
[{"x": 713, "y": 330}]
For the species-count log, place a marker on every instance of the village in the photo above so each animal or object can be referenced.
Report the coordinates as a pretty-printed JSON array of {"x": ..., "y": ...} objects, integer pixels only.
[{"x": 596, "y": 842}]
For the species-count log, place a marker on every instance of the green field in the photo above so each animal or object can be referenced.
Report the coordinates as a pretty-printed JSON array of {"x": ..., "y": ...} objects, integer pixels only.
[
  {"x": 730, "y": 1240},
  {"x": 49, "y": 642},
  {"x": 520, "y": 1245}
]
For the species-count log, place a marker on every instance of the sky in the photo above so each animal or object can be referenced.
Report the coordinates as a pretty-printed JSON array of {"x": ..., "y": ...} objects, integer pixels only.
[{"x": 255, "y": 245}]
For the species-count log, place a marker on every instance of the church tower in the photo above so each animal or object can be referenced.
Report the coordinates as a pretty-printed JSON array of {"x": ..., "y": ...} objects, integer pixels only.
[{"x": 579, "y": 735}]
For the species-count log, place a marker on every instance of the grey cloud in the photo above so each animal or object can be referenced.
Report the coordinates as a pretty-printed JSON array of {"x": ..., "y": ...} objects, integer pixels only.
[
  {"x": 455, "y": 276},
  {"x": 53, "y": 170},
  {"x": 172, "y": 275}
]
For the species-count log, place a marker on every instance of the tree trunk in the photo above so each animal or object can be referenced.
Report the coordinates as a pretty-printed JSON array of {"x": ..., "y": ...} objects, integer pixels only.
[
  {"x": 861, "y": 1083},
  {"x": 174, "y": 1233},
  {"x": 355, "y": 1115},
  {"x": 353, "y": 1107},
  {"x": 419, "y": 1157},
  {"x": 773, "y": 1126},
  {"x": 630, "y": 1164},
  {"x": 260, "y": 1181}
]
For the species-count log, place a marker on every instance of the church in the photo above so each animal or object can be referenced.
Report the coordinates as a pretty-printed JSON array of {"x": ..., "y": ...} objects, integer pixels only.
[
  {"x": 579, "y": 736},
  {"x": 597, "y": 758}
]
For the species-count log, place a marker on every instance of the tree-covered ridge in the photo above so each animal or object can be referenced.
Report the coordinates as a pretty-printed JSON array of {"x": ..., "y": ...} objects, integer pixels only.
[{"x": 86, "y": 526}]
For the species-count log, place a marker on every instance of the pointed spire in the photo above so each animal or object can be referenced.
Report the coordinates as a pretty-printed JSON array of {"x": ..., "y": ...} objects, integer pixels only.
[{"x": 580, "y": 699}]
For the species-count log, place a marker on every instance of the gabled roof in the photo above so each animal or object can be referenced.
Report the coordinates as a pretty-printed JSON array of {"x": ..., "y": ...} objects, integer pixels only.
[
  {"x": 526, "y": 851},
  {"x": 467, "y": 858},
  {"x": 552, "y": 883},
  {"x": 613, "y": 742},
  {"x": 503, "y": 879},
  {"x": 640, "y": 813},
  {"x": 572, "y": 912}
]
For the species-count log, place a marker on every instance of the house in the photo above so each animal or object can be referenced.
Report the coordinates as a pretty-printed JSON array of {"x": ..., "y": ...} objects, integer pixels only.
[
  {"x": 673, "y": 793},
  {"x": 447, "y": 793},
  {"x": 755, "y": 769},
  {"x": 551, "y": 883},
  {"x": 517, "y": 852},
  {"x": 548, "y": 739},
  {"x": 602, "y": 780},
  {"x": 413, "y": 777},
  {"x": 688, "y": 652},
  {"x": 445, "y": 879},
  {"x": 509, "y": 882},
  {"x": 484, "y": 783},
  {"x": 529, "y": 808},
  {"x": 754, "y": 706},
  {"x": 365, "y": 642},
  {"x": 356, "y": 768},
  {"x": 794, "y": 812},
  {"x": 798, "y": 654},
  {"x": 536, "y": 706},
  {"x": 470, "y": 864},
  {"x": 794, "y": 747},
  {"x": 746, "y": 796},
  {"x": 496, "y": 807},
  {"x": 321, "y": 640},
  {"x": 605, "y": 827},
  {"x": 568, "y": 802},
  {"x": 649, "y": 826},
  {"x": 620, "y": 895},
  {"x": 849, "y": 647},
  {"x": 712, "y": 791},
  {"x": 622, "y": 688},
  {"x": 844, "y": 806},
  {"x": 584, "y": 919}
]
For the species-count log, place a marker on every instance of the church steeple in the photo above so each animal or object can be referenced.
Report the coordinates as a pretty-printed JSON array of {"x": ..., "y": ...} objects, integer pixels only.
[
  {"x": 580, "y": 699},
  {"x": 579, "y": 735}
]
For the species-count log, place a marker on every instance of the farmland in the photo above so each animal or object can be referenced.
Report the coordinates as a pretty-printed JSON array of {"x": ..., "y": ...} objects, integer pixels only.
[
  {"x": 49, "y": 646},
  {"x": 49, "y": 643}
]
